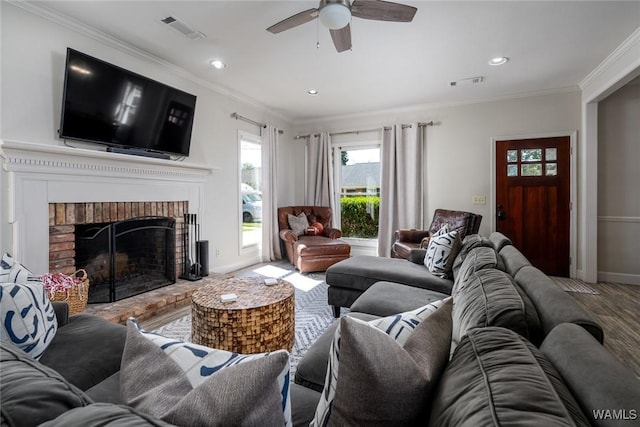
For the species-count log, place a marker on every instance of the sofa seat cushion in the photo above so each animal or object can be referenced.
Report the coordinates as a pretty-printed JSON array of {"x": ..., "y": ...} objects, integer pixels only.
[
  {"x": 31, "y": 392},
  {"x": 387, "y": 298},
  {"x": 86, "y": 350},
  {"x": 320, "y": 246},
  {"x": 362, "y": 271},
  {"x": 312, "y": 368},
  {"x": 304, "y": 402},
  {"x": 491, "y": 298},
  {"x": 107, "y": 391},
  {"x": 497, "y": 377}
]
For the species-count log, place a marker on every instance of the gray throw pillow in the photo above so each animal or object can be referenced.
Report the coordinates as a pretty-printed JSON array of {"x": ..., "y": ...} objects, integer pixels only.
[
  {"x": 298, "y": 224},
  {"x": 382, "y": 372},
  {"x": 189, "y": 384}
]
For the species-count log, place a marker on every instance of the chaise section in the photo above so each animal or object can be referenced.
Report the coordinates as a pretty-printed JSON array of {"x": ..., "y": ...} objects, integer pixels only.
[
  {"x": 388, "y": 298},
  {"x": 348, "y": 279}
]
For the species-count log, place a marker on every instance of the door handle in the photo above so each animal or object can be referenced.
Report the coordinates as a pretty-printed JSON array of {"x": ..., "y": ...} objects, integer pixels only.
[{"x": 500, "y": 214}]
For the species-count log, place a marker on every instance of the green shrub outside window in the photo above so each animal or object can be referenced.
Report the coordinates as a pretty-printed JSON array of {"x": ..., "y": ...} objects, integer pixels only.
[{"x": 360, "y": 216}]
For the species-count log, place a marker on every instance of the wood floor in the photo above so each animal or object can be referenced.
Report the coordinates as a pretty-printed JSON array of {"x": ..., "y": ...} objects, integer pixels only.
[{"x": 617, "y": 309}]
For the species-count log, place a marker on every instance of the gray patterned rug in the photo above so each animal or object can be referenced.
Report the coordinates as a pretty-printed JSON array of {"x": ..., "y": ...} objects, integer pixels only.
[{"x": 313, "y": 314}]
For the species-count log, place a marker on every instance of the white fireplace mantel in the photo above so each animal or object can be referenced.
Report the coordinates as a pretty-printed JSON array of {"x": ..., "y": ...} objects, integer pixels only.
[{"x": 39, "y": 174}]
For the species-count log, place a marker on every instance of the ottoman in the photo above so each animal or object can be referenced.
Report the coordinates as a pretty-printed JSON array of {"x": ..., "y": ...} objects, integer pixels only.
[{"x": 348, "y": 279}]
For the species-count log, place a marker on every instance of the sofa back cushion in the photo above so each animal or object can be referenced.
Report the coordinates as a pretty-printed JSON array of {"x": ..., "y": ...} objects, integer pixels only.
[
  {"x": 468, "y": 244},
  {"x": 491, "y": 298},
  {"x": 497, "y": 377},
  {"x": 513, "y": 259},
  {"x": 477, "y": 259},
  {"x": 31, "y": 392},
  {"x": 608, "y": 392},
  {"x": 554, "y": 305}
]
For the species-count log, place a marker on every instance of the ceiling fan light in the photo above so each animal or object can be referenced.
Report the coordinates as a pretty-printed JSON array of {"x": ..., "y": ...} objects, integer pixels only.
[{"x": 335, "y": 16}]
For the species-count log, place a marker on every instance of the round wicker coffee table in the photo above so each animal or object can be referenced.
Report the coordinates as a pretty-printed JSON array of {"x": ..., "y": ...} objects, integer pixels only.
[{"x": 262, "y": 319}]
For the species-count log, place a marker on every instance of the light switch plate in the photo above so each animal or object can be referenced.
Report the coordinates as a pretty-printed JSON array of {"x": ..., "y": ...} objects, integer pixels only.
[{"x": 479, "y": 200}]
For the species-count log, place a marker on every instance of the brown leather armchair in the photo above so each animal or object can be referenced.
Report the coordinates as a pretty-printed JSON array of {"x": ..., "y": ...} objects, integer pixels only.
[
  {"x": 312, "y": 252},
  {"x": 406, "y": 240}
]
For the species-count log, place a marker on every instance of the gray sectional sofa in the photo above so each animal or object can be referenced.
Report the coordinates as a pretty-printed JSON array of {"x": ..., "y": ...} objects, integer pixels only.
[
  {"x": 515, "y": 333},
  {"x": 523, "y": 352}
]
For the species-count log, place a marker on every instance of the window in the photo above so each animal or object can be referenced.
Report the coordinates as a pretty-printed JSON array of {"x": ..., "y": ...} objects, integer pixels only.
[
  {"x": 250, "y": 190},
  {"x": 357, "y": 171},
  {"x": 529, "y": 162}
]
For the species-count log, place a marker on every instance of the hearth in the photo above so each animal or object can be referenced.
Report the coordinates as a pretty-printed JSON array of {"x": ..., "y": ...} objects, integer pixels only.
[{"x": 126, "y": 258}]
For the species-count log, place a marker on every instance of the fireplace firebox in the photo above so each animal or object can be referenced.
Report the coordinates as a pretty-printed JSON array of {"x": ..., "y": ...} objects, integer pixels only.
[{"x": 126, "y": 258}]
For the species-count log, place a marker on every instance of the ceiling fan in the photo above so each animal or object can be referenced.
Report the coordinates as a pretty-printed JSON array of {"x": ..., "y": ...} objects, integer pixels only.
[{"x": 336, "y": 15}]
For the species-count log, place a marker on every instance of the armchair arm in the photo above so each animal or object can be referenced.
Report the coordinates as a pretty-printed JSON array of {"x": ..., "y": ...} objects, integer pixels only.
[
  {"x": 332, "y": 233},
  {"x": 424, "y": 243},
  {"x": 288, "y": 235},
  {"x": 413, "y": 235},
  {"x": 62, "y": 312}
]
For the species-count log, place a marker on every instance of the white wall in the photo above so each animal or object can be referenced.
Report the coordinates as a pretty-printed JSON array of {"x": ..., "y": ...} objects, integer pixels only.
[
  {"x": 33, "y": 56},
  {"x": 618, "y": 210},
  {"x": 459, "y": 147}
]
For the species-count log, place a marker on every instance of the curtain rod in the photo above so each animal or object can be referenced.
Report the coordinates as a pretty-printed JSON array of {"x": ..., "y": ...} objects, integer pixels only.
[
  {"x": 253, "y": 122},
  {"x": 363, "y": 131}
]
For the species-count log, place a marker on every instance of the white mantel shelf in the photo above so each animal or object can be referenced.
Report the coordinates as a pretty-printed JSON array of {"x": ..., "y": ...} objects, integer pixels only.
[{"x": 44, "y": 158}]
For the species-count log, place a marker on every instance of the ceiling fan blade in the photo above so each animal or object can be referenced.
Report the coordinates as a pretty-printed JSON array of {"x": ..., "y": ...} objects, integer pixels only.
[
  {"x": 342, "y": 38},
  {"x": 383, "y": 10},
  {"x": 294, "y": 21}
]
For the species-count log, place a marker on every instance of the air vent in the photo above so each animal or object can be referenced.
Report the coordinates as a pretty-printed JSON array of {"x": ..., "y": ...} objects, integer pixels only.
[
  {"x": 183, "y": 28},
  {"x": 469, "y": 81}
]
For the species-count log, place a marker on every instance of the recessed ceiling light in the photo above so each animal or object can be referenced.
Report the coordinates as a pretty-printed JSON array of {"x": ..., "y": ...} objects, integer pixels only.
[
  {"x": 312, "y": 92},
  {"x": 217, "y": 64},
  {"x": 499, "y": 60}
]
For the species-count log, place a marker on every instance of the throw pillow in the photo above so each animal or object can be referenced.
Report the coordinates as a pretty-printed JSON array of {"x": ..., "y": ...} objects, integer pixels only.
[
  {"x": 318, "y": 227},
  {"x": 441, "y": 252},
  {"x": 389, "y": 359},
  {"x": 298, "y": 224},
  {"x": 27, "y": 315},
  {"x": 188, "y": 384}
]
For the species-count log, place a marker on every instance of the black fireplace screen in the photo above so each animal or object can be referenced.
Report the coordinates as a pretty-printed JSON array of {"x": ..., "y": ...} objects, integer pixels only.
[{"x": 127, "y": 258}]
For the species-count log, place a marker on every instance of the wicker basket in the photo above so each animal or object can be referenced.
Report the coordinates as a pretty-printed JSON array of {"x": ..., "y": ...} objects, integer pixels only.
[{"x": 75, "y": 297}]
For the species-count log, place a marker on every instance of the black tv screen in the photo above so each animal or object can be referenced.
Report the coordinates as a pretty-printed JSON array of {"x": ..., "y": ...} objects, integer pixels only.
[{"x": 106, "y": 104}]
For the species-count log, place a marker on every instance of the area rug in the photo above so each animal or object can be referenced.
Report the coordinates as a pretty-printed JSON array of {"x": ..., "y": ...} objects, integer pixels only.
[
  {"x": 312, "y": 313},
  {"x": 575, "y": 285}
]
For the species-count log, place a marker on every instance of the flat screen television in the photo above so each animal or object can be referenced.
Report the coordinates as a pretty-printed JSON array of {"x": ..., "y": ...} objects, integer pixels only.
[{"x": 106, "y": 104}]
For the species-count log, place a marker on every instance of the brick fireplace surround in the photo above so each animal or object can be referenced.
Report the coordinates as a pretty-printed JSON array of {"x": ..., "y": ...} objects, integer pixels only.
[{"x": 63, "y": 217}]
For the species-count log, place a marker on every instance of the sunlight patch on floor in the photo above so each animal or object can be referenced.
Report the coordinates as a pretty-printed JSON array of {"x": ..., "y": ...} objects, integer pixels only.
[
  {"x": 301, "y": 282},
  {"x": 271, "y": 271}
]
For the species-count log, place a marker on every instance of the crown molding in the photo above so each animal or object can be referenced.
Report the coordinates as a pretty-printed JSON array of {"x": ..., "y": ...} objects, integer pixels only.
[{"x": 127, "y": 48}]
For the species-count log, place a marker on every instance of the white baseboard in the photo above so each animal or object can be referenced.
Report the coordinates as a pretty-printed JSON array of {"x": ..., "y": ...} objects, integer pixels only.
[{"x": 629, "y": 279}]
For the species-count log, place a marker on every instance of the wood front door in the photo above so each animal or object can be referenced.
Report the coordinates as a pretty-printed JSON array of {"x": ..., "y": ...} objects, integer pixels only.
[{"x": 533, "y": 199}]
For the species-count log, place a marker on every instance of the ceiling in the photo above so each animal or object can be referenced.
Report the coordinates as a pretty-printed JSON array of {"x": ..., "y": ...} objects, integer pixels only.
[{"x": 553, "y": 46}]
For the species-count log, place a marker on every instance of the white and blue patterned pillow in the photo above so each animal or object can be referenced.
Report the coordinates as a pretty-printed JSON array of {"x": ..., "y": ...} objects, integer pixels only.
[
  {"x": 28, "y": 318},
  {"x": 399, "y": 327},
  {"x": 199, "y": 365},
  {"x": 441, "y": 252}
]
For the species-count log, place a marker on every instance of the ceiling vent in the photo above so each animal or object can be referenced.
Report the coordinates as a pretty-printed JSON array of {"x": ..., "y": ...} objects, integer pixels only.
[
  {"x": 469, "y": 81},
  {"x": 182, "y": 28}
]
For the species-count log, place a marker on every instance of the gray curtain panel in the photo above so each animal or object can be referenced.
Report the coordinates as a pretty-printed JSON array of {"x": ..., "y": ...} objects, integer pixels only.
[
  {"x": 320, "y": 190},
  {"x": 270, "y": 238},
  {"x": 401, "y": 192}
]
